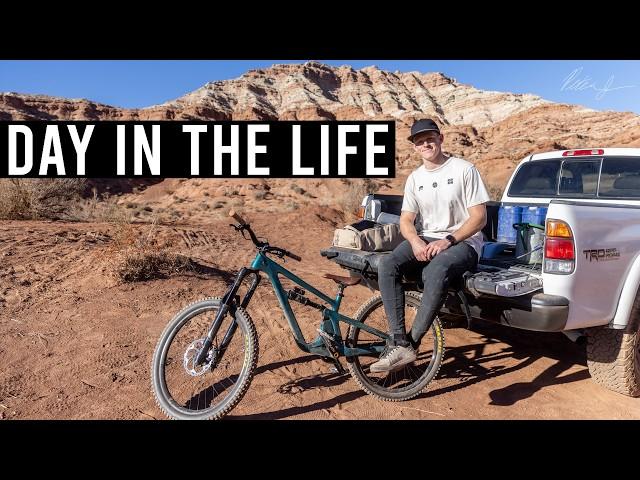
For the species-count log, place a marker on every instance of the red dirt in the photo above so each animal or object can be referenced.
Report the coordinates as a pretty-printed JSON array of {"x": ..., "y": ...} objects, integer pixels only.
[{"x": 76, "y": 344}]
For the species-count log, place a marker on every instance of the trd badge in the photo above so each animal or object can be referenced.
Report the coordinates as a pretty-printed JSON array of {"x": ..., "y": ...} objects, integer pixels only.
[{"x": 601, "y": 254}]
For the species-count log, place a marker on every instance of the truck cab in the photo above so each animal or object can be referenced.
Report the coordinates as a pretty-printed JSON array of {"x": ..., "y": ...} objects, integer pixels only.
[{"x": 585, "y": 280}]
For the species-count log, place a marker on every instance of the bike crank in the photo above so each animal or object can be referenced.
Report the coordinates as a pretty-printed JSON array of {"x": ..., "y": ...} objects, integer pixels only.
[{"x": 329, "y": 342}]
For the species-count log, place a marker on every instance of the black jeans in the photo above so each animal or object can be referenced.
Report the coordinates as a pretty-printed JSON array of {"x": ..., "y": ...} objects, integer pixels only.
[{"x": 436, "y": 276}]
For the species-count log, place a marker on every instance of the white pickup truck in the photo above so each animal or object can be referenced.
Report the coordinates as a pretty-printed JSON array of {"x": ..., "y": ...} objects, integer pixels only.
[{"x": 587, "y": 282}]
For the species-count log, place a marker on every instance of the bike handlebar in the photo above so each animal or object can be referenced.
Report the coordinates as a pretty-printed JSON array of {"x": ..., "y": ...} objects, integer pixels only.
[
  {"x": 261, "y": 245},
  {"x": 236, "y": 217},
  {"x": 292, "y": 255}
]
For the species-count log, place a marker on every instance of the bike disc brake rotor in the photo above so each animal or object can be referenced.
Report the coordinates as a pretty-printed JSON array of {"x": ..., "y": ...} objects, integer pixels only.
[{"x": 190, "y": 355}]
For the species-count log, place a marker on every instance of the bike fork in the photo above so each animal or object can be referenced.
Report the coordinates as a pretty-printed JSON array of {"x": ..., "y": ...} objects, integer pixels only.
[{"x": 228, "y": 304}]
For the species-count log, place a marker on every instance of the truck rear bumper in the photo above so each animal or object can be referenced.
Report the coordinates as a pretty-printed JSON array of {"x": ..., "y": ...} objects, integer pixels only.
[
  {"x": 539, "y": 312},
  {"x": 548, "y": 313}
]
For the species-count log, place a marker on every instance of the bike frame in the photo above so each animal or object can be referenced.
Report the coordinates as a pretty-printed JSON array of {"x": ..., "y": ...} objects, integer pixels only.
[{"x": 331, "y": 316}]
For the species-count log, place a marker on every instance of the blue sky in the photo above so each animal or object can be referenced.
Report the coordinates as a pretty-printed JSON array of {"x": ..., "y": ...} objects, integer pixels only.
[{"x": 598, "y": 84}]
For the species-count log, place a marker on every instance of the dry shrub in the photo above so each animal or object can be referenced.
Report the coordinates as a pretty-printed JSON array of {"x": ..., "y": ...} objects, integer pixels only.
[
  {"x": 39, "y": 198},
  {"x": 105, "y": 209},
  {"x": 355, "y": 191},
  {"x": 495, "y": 192},
  {"x": 136, "y": 255},
  {"x": 149, "y": 264}
]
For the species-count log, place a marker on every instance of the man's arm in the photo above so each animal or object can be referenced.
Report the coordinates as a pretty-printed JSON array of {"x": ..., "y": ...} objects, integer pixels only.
[
  {"x": 476, "y": 222},
  {"x": 410, "y": 234}
]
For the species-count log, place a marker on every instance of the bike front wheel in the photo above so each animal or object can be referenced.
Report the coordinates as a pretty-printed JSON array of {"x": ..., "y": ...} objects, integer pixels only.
[
  {"x": 186, "y": 391},
  {"x": 411, "y": 379}
]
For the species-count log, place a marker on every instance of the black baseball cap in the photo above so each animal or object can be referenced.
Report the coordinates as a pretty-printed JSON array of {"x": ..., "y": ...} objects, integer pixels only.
[{"x": 425, "y": 125}]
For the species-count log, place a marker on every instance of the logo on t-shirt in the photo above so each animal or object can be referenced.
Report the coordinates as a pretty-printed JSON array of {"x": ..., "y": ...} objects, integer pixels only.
[
  {"x": 450, "y": 181},
  {"x": 435, "y": 184}
]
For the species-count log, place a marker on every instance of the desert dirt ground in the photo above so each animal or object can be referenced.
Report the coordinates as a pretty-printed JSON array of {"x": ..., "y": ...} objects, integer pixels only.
[{"x": 75, "y": 343}]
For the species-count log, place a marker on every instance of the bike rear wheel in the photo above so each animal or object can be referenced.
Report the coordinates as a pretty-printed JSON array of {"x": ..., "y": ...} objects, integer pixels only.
[
  {"x": 411, "y": 379},
  {"x": 187, "y": 391}
]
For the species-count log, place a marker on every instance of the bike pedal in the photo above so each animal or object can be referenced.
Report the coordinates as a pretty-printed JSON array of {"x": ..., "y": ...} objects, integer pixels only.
[{"x": 329, "y": 342}]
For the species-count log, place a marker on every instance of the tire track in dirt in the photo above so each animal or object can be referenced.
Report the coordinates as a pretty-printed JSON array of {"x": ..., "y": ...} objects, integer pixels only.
[{"x": 76, "y": 344}]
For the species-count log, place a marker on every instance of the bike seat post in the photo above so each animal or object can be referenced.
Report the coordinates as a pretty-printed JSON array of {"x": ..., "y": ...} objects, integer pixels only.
[{"x": 340, "y": 294}]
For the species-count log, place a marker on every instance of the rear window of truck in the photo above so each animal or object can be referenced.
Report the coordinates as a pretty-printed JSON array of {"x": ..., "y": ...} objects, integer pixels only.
[
  {"x": 620, "y": 178},
  {"x": 536, "y": 179},
  {"x": 611, "y": 177}
]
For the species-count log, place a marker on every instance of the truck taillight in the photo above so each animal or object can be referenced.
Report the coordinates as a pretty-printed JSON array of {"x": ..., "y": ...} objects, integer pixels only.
[
  {"x": 583, "y": 153},
  {"x": 559, "y": 248},
  {"x": 558, "y": 228},
  {"x": 361, "y": 211}
]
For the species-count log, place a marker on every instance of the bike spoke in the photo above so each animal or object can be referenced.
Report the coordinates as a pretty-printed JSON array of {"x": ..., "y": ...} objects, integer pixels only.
[
  {"x": 202, "y": 387},
  {"x": 409, "y": 375}
]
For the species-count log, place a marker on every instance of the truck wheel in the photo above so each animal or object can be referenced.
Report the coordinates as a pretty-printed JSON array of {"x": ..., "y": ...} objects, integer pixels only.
[{"x": 613, "y": 356}]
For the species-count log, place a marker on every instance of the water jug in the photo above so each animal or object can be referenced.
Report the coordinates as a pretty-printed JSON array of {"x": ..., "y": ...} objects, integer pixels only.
[
  {"x": 534, "y": 215},
  {"x": 507, "y": 216}
]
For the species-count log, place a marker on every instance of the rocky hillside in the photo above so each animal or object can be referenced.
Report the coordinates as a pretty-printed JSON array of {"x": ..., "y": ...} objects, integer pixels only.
[{"x": 492, "y": 129}]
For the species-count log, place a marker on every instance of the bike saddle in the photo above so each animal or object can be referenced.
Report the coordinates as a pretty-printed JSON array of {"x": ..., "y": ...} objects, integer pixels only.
[{"x": 347, "y": 281}]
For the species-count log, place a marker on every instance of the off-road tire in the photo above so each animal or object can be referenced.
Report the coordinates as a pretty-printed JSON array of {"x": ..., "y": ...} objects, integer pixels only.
[
  {"x": 167, "y": 404},
  {"x": 613, "y": 356},
  {"x": 412, "y": 299}
]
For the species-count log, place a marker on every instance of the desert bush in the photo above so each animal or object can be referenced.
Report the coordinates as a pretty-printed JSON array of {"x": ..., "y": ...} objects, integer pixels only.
[
  {"x": 138, "y": 266},
  {"x": 136, "y": 255},
  {"x": 102, "y": 208},
  {"x": 354, "y": 193},
  {"x": 39, "y": 198},
  {"x": 495, "y": 192}
]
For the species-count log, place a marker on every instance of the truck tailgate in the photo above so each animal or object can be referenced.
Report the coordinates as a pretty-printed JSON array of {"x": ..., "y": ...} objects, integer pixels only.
[{"x": 607, "y": 243}]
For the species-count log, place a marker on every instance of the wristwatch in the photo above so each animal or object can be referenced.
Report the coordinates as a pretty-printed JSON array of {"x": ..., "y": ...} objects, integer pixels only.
[{"x": 452, "y": 239}]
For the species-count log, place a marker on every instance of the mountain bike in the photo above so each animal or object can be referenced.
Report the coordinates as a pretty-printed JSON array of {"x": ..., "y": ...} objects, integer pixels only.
[{"x": 206, "y": 356}]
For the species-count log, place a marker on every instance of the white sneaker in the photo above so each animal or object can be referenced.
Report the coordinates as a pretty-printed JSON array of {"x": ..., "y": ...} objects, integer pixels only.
[{"x": 394, "y": 359}]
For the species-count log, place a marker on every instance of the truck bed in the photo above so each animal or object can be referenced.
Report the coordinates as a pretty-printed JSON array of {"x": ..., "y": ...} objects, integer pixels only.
[
  {"x": 529, "y": 308},
  {"x": 501, "y": 271}
]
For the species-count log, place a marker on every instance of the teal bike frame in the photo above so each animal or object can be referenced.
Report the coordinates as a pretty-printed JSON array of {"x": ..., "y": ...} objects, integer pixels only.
[
  {"x": 329, "y": 342},
  {"x": 331, "y": 317}
]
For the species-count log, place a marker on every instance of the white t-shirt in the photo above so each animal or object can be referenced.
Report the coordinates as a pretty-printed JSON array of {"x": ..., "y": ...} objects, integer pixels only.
[{"x": 442, "y": 196}]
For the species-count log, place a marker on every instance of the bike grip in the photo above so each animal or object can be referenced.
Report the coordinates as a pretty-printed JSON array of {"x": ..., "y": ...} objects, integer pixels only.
[
  {"x": 236, "y": 217},
  {"x": 294, "y": 256}
]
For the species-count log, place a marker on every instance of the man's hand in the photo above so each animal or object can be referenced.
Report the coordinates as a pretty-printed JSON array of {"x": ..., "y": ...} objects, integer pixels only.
[
  {"x": 420, "y": 248},
  {"x": 436, "y": 247}
]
